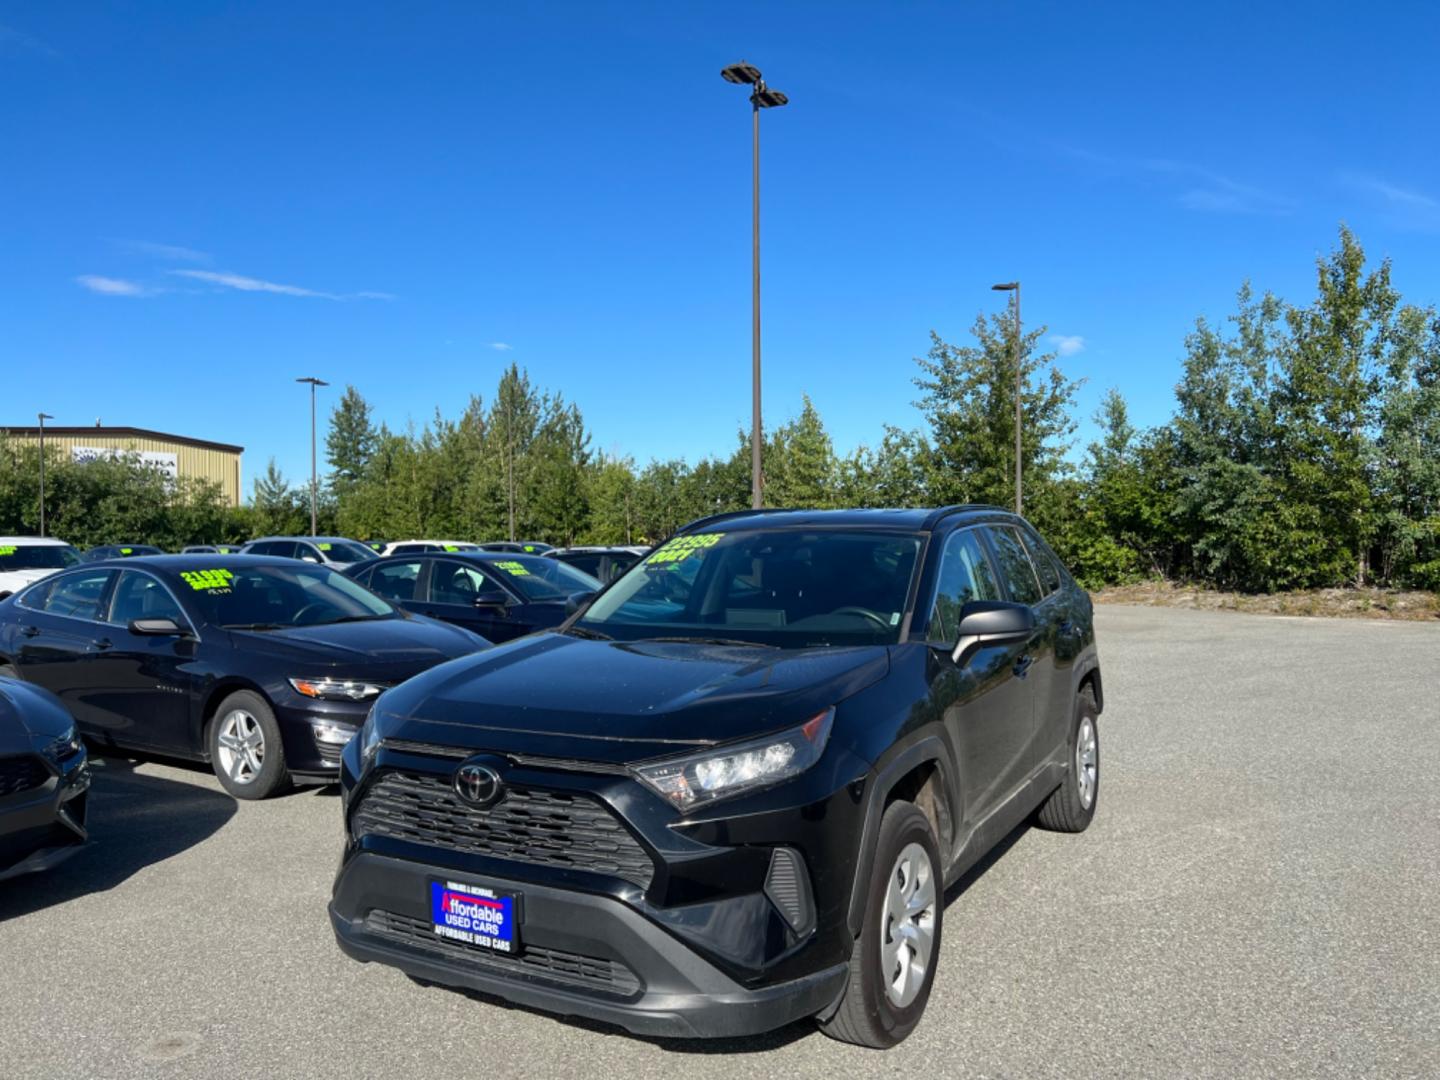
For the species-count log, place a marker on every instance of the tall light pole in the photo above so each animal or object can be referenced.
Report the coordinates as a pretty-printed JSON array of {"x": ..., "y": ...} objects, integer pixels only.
[
  {"x": 43, "y": 417},
  {"x": 761, "y": 97},
  {"x": 314, "y": 476},
  {"x": 1014, "y": 286}
]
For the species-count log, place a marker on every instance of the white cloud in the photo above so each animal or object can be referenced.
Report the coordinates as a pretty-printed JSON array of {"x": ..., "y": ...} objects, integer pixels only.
[
  {"x": 109, "y": 286},
  {"x": 500, "y": 346},
  {"x": 170, "y": 252},
  {"x": 1067, "y": 344},
  {"x": 250, "y": 284},
  {"x": 1404, "y": 207}
]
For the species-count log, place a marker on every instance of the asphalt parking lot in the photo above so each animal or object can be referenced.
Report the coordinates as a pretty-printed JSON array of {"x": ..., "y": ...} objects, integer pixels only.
[{"x": 1258, "y": 895}]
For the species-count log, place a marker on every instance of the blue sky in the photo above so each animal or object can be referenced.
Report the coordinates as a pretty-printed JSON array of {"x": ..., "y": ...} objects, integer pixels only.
[{"x": 200, "y": 202}]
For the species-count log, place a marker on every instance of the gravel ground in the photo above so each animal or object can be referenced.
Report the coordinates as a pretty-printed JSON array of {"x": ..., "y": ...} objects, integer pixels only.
[{"x": 1259, "y": 895}]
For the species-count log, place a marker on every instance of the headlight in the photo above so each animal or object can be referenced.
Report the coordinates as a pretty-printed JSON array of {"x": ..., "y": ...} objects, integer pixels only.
[
  {"x": 369, "y": 739},
  {"x": 337, "y": 689},
  {"x": 64, "y": 747},
  {"x": 719, "y": 774}
]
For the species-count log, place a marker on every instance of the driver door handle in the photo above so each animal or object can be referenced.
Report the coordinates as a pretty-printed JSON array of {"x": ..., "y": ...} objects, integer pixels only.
[
  {"x": 29, "y": 631},
  {"x": 103, "y": 644}
]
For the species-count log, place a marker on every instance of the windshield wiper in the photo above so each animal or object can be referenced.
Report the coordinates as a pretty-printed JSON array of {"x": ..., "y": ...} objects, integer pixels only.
[
  {"x": 586, "y": 632},
  {"x": 252, "y": 626},
  {"x": 351, "y": 618},
  {"x": 715, "y": 641}
]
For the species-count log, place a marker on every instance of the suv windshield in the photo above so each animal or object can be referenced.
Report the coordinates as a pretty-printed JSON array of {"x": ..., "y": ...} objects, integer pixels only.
[
  {"x": 788, "y": 587},
  {"x": 37, "y": 557},
  {"x": 344, "y": 551},
  {"x": 274, "y": 597},
  {"x": 538, "y": 578}
]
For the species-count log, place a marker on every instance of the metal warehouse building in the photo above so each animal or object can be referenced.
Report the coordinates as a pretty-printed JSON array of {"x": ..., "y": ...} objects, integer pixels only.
[{"x": 179, "y": 455}]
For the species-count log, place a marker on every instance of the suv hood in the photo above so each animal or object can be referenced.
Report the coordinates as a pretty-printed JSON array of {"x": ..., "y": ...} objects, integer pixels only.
[{"x": 554, "y": 695}]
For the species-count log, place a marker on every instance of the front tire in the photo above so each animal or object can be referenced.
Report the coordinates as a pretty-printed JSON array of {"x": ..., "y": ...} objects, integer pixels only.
[
  {"x": 1071, "y": 807},
  {"x": 245, "y": 748},
  {"x": 892, "y": 967}
]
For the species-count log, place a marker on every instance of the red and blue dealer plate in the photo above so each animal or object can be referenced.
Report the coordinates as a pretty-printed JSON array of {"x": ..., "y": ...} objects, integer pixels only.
[{"x": 476, "y": 915}]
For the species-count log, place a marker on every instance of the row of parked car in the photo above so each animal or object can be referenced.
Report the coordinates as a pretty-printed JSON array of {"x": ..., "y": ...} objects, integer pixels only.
[{"x": 725, "y": 791}]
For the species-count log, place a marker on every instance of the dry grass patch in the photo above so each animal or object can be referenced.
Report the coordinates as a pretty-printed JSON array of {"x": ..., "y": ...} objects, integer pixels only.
[{"x": 1331, "y": 603}]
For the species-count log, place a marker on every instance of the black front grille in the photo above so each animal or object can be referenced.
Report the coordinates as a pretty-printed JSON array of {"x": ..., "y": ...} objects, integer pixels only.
[
  {"x": 22, "y": 773},
  {"x": 568, "y": 969},
  {"x": 528, "y": 825}
]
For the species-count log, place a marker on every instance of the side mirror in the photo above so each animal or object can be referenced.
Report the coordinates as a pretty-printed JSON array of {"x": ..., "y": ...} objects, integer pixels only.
[
  {"x": 991, "y": 622},
  {"x": 579, "y": 601},
  {"x": 496, "y": 601},
  {"x": 157, "y": 628}
]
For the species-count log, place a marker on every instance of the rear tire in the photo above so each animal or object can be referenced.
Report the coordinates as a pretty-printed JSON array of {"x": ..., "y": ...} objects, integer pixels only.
[
  {"x": 892, "y": 967},
  {"x": 245, "y": 748},
  {"x": 1071, "y": 806}
]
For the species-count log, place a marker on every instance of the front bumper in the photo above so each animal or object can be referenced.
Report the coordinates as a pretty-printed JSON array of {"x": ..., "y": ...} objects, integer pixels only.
[
  {"x": 45, "y": 825},
  {"x": 583, "y": 955},
  {"x": 307, "y": 756}
]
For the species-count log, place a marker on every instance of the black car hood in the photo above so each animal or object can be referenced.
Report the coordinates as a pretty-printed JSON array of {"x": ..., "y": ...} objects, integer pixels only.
[
  {"x": 27, "y": 711},
  {"x": 380, "y": 649},
  {"x": 555, "y": 695}
]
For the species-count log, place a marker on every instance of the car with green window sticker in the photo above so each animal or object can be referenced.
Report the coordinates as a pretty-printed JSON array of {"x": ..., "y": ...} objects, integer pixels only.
[
  {"x": 337, "y": 552},
  {"x": 211, "y": 549},
  {"x": 26, "y": 559},
  {"x": 120, "y": 551}
]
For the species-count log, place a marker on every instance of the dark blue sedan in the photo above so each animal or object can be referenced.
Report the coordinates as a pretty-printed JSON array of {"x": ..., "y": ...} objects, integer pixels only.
[
  {"x": 263, "y": 667},
  {"x": 500, "y": 595}
]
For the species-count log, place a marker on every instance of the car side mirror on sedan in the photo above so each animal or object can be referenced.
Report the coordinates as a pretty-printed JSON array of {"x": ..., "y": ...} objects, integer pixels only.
[
  {"x": 578, "y": 601},
  {"x": 985, "y": 623},
  {"x": 157, "y": 628},
  {"x": 492, "y": 601}
]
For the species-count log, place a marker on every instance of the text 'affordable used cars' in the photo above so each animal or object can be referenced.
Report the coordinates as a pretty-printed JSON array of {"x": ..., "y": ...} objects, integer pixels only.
[
  {"x": 730, "y": 793},
  {"x": 264, "y": 667}
]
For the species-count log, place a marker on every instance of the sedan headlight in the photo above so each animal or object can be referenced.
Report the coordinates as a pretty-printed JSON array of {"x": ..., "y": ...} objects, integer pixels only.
[
  {"x": 337, "y": 689},
  {"x": 718, "y": 774}
]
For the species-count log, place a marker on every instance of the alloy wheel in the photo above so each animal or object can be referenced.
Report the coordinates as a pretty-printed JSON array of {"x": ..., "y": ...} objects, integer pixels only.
[
  {"x": 241, "y": 746},
  {"x": 1087, "y": 761},
  {"x": 907, "y": 934}
]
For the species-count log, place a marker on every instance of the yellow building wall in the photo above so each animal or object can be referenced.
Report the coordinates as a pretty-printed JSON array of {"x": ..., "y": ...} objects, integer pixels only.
[{"x": 217, "y": 466}]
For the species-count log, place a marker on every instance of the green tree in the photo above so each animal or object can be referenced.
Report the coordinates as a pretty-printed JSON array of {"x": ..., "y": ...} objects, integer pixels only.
[{"x": 351, "y": 441}]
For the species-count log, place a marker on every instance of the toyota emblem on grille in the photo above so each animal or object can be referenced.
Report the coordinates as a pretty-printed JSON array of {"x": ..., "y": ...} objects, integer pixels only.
[{"x": 478, "y": 785}]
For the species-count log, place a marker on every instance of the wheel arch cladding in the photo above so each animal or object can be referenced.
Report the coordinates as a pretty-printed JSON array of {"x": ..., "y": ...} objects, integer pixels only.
[{"x": 1091, "y": 678}]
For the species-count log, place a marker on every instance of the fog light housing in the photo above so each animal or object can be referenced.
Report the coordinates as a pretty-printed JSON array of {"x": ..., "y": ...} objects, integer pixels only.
[
  {"x": 787, "y": 885},
  {"x": 329, "y": 733}
]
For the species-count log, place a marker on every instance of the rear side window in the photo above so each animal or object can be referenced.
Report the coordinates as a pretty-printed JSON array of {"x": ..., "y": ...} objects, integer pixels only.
[
  {"x": 456, "y": 583},
  {"x": 395, "y": 581},
  {"x": 1044, "y": 562},
  {"x": 411, "y": 549},
  {"x": 78, "y": 595},
  {"x": 590, "y": 564},
  {"x": 1015, "y": 568},
  {"x": 965, "y": 575}
]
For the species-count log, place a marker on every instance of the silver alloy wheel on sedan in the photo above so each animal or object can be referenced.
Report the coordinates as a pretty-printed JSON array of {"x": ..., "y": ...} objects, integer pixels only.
[
  {"x": 1087, "y": 761},
  {"x": 241, "y": 746},
  {"x": 907, "y": 932}
]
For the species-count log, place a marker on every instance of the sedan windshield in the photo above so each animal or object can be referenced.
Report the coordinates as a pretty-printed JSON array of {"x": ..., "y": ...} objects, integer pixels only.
[
  {"x": 346, "y": 551},
  {"x": 544, "y": 579},
  {"x": 37, "y": 557},
  {"x": 787, "y": 587},
  {"x": 277, "y": 597}
]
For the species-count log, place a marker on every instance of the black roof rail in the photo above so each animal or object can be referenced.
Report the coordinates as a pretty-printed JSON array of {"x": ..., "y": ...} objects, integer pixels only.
[
  {"x": 729, "y": 515},
  {"x": 960, "y": 508}
]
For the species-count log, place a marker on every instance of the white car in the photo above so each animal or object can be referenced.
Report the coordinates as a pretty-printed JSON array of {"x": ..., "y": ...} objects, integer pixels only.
[
  {"x": 24, "y": 559},
  {"x": 421, "y": 547}
]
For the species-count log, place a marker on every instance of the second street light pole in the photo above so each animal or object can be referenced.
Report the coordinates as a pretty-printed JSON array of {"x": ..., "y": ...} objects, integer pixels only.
[
  {"x": 314, "y": 476},
  {"x": 761, "y": 97},
  {"x": 43, "y": 417},
  {"x": 1014, "y": 286}
]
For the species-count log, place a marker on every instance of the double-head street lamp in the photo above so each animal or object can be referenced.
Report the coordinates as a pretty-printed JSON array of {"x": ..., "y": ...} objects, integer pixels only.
[
  {"x": 761, "y": 97},
  {"x": 314, "y": 477},
  {"x": 43, "y": 417},
  {"x": 1014, "y": 286}
]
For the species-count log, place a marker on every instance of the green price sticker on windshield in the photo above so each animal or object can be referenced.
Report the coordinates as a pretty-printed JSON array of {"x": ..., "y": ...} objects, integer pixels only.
[
  {"x": 127, "y": 551},
  {"x": 8, "y": 549},
  {"x": 514, "y": 569},
  {"x": 682, "y": 547},
  {"x": 323, "y": 547},
  {"x": 452, "y": 547},
  {"x": 207, "y": 580}
]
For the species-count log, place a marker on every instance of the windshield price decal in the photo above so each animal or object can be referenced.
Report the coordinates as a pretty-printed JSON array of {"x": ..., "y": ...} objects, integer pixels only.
[
  {"x": 323, "y": 547},
  {"x": 8, "y": 549},
  {"x": 452, "y": 547},
  {"x": 208, "y": 580},
  {"x": 682, "y": 547},
  {"x": 514, "y": 569},
  {"x": 126, "y": 551}
]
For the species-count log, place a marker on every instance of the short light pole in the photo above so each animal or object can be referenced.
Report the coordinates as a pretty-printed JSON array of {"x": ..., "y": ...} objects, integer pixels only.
[
  {"x": 43, "y": 417},
  {"x": 761, "y": 97},
  {"x": 314, "y": 475},
  {"x": 1014, "y": 286}
]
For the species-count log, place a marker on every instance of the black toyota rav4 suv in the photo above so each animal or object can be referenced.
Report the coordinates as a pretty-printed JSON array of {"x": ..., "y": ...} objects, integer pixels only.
[{"x": 730, "y": 792}]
